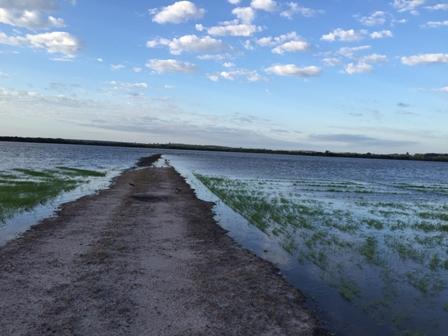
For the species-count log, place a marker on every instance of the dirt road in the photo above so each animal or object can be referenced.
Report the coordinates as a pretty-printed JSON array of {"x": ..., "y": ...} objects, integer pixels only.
[{"x": 144, "y": 257}]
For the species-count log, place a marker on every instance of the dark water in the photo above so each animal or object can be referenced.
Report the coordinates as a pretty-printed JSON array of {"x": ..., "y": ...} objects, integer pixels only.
[{"x": 392, "y": 299}]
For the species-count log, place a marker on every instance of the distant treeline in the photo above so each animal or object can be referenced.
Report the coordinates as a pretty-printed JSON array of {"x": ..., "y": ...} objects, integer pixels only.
[{"x": 417, "y": 157}]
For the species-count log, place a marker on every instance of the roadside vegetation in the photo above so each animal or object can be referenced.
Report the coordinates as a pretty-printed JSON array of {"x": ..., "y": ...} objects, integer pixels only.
[{"x": 23, "y": 189}]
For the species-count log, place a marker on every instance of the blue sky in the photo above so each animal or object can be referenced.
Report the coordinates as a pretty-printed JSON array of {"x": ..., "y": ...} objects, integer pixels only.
[{"x": 341, "y": 75}]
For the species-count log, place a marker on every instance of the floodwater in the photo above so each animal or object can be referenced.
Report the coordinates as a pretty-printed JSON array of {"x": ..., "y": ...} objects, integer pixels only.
[
  {"x": 111, "y": 160},
  {"x": 364, "y": 240}
]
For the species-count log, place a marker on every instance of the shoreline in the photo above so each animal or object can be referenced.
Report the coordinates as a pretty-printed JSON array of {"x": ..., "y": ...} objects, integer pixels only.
[{"x": 144, "y": 256}]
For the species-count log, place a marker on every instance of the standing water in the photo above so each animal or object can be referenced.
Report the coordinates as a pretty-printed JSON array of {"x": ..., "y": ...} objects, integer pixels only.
[{"x": 364, "y": 240}]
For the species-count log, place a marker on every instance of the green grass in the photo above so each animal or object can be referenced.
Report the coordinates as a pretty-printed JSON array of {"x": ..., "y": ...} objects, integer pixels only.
[
  {"x": 395, "y": 247},
  {"x": 374, "y": 223},
  {"x": 349, "y": 290},
  {"x": 370, "y": 250},
  {"x": 28, "y": 188},
  {"x": 81, "y": 172}
]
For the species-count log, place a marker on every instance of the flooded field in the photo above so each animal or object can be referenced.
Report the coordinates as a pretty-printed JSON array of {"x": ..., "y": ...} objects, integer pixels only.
[
  {"x": 366, "y": 241},
  {"x": 370, "y": 248},
  {"x": 36, "y": 178}
]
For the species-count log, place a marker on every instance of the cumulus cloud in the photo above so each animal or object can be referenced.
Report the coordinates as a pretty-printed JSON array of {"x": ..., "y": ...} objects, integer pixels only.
[
  {"x": 364, "y": 64},
  {"x": 53, "y": 42},
  {"x": 30, "y": 19},
  {"x": 249, "y": 75},
  {"x": 293, "y": 8},
  {"x": 189, "y": 43},
  {"x": 349, "y": 52},
  {"x": 439, "y": 6},
  {"x": 408, "y": 5},
  {"x": 425, "y": 59},
  {"x": 443, "y": 89},
  {"x": 178, "y": 12},
  {"x": 290, "y": 42},
  {"x": 293, "y": 70},
  {"x": 375, "y": 19},
  {"x": 381, "y": 34},
  {"x": 28, "y": 4},
  {"x": 117, "y": 66},
  {"x": 264, "y": 5},
  {"x": 169, "y": 65},
  {"x": 231, "y": 28},
  {"x": 357, "y": 68},
  {"x": 436, "y": 24},
  {"x": 349, "y": 35},
  {"x": 244, "y": 14},
  {"x": 215, "y": 57},
  {"x": 234, "y": 2},
  {"x": 331, "y": 61}
]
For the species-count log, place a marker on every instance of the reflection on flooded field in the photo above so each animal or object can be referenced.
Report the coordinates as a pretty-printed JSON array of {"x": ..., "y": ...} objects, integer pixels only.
[{"x": 382, "y": 247}]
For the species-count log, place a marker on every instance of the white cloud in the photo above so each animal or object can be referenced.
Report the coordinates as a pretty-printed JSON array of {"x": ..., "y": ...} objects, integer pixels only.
[
  {"x": 178, "y": 12},
  {"x": 331, "y": 61},
  {"x": 408, "y": 5},
  {"x": 440, "y": 6},
  {"x": 375, "y": 19},
  {"x": 265, "y": 5},
  {"x": 30, "y": 19},
  {"x": 127, "y": 86},
  {"x": 169, "y": 65},
  {"x": 189, "y": 43},
  {"x": 228, "y": 65},
  {"x": 293, "y": 70},
  {"x": 244, "y": 14},
  {"x": 349, "y": 35},
  {"x": 381, "y": 34},
  {"x": 28, "y": 4},
  {"x": 291, "y": 46},
  {"x": 249, "y": 75},
  {"x": 358, "y": 68},
  {"x": 350, "y": 51},
  {"x": 137, "y": 69},
  {"x": 214, "y": 57},
  {"x": 53, "y": 42},
  {"x": 293, "y": 8},
  {"x": 373, "y": 58},
  {"x": 290, "y": 42},
  {"x": 234, "y": 2},
  {"x": 425, "y": 59},
  {"x": 117, "y": 66},
  {"x": 443, "y": 89},
  {"x": 100, "y": 60},
  {"x": 364, "y": 64},
  {"x": 233, "y": 28},
  {"x": 436, "y": 24}
]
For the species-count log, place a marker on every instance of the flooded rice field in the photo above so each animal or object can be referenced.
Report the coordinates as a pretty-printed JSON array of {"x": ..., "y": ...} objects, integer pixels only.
[
  {"x": 364, "y": 240},
  {"x": 36, "y": 178}
]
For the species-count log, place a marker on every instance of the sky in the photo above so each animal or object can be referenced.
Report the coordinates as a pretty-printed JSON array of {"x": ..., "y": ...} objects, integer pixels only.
[{"x": 339, "y": 75}]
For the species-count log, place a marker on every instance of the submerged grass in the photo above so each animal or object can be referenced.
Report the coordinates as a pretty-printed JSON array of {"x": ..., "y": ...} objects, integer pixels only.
[
  {"x": 28, "y": 188},
  {"x": 391, "y": 244}
]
